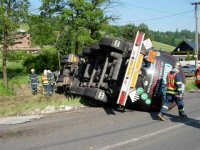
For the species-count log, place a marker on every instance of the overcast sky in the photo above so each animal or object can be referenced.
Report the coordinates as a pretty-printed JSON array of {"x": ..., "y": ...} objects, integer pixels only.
[{"x": 158, "y": 15}]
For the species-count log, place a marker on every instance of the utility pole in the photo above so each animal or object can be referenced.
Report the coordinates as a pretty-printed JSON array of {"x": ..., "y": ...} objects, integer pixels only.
[{"x": 196, "y": 33}]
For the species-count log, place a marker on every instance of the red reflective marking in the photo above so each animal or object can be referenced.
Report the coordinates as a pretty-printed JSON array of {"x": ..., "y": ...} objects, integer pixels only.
[
  {"x": 139, "y": 38},
  {"x": 122, "y": 96}
]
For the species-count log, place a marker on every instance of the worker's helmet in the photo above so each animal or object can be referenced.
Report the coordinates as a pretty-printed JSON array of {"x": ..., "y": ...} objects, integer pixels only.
[
  {"x": 32, "y": 70},
  {"x": 49, "y": 71},
  {"x": 177, "y": 65},
  {"x": 45, "y": 72}
]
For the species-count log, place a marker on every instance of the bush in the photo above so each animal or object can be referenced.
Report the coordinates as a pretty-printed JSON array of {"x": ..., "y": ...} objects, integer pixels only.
[
  {"x": 47, "y": 59},
  {"x": 16, "y": 55}
]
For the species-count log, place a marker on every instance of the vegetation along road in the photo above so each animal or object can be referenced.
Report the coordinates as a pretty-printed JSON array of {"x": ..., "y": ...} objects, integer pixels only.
[{"x": 106, "y": 128}]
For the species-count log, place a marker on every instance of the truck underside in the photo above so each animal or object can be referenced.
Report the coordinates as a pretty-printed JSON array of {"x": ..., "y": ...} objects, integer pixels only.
[{"x": 98, "y": 74}]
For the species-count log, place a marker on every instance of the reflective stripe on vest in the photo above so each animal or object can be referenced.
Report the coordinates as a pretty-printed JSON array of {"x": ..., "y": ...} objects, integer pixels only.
[
  {"x": 171, "y": 86},
  {"x": 44, "y": 79}
]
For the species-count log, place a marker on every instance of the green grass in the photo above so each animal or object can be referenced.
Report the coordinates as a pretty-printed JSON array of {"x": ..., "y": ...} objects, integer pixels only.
[
  {"x": 5, "y": 91},
  {"x": 17, "y": 105},
  {"x": 162, "y": 46},
  {"x": 190, "y": 84},
  {"x": 15, "y": 73}
]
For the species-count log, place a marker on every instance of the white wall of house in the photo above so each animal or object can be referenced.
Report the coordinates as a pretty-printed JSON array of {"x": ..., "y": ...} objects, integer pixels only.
[
  {"x": 183, "y": 62},
  {"x": 192, "y": 62}
]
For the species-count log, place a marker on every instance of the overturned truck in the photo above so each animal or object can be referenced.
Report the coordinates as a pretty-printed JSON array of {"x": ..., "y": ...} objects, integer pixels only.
[{"x": 130, "y": 74}]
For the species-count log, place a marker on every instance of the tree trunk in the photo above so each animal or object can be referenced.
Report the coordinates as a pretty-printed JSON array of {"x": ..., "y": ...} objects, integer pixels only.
[{"x": 4, "y": 58}]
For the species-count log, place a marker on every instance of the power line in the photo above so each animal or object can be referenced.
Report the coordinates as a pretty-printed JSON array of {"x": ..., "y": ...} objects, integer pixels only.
[
  {"x": 151, "y": 9},
  {"x": 158, "y": 18}
]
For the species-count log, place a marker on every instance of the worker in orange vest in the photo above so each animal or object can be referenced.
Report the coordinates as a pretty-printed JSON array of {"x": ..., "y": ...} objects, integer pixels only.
[
  {"x": 45, "y": 82},
  {"x": 197, "y": 74}
]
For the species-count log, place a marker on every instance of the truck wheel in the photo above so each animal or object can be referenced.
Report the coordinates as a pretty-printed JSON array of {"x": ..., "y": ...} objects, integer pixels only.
[
  {"x": 90, "y": 92},
  {"x": 65, "y": 57},
  {"x": 86, "y": 51},
  {"x": 116, "y": 44},
  {"x": 95, "y": 48},
  {"x": 64, "y": 61}
]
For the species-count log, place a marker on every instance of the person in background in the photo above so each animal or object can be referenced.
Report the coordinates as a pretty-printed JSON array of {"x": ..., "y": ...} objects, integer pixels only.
[
  {"x": 51, "y": 80},
  {"x": 174, "y": 92},
  {"x": 45, "y": 82},
  {"x": 33, "y": 81}
]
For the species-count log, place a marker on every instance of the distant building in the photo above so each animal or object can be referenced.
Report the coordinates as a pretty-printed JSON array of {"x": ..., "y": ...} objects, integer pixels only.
[
  {"x": 184, "y": 49},
  {"x": 23, "y": 42}
]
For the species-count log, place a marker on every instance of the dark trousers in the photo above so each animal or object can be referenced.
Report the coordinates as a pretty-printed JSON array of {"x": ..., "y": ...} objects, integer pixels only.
[
  {"x": 34, "y": 87},
  {"x": 170, "y": 98},
  {"x": 47, "y": 88}
]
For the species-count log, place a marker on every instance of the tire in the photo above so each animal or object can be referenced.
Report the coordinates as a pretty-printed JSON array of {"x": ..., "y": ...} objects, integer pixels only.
[
  {"x": 65, "y": 57},
  {"x": 86, "y": 51},
  {"x": 74, "y": 85},
  {"x": 64, "y": 61},
  {"x": 116, "y": 45},
  {"x": 95, "y": 48},
  {"x": 90, "y": 92}
]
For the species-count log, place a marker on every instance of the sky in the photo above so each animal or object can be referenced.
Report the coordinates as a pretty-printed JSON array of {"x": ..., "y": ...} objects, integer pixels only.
[{"x": 158, "y": 15}]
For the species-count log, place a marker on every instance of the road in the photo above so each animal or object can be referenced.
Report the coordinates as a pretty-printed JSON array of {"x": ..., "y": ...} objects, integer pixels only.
[{"x": 105, "y": 129}]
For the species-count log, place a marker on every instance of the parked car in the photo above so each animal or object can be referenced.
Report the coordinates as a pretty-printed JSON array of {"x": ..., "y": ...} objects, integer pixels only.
[{"x": 189, "y": 70}]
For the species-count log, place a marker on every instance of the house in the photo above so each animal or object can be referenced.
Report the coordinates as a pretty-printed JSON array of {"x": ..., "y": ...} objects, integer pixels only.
[
  {"x": 23, "y": 42},
  {"x": 185, "y": 49}
]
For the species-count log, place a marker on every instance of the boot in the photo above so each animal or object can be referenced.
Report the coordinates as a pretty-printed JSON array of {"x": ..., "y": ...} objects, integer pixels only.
[
  {"x": 161, "y": 116},
  {"x": 182, "y": 115}
]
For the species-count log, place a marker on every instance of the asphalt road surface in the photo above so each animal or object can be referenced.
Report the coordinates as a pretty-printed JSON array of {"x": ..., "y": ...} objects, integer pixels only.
[{"x": 105, "y": 129}]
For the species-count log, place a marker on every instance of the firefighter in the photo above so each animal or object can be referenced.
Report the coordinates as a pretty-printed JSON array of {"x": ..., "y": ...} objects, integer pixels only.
[
  {"x": 45, "y": 82},
  {"x": 51, "y": 80},
  {"x": 174, "y": 92},
  {"x": 33, "y": 81}
]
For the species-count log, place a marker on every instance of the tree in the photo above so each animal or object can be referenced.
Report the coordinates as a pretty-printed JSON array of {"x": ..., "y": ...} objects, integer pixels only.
[
  {"x": 129, "y": 31},
  {"x": 12, "y": 12},
  {"x": 42, "y": 30},
  {"x": 82, "y": 20},
  {"x": 144, "y": 28}
]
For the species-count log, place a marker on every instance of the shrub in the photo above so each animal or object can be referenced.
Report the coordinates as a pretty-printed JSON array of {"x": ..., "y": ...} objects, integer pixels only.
[
  {"x": 16, "y": 55},
  {"x": 47, "y": 59}
]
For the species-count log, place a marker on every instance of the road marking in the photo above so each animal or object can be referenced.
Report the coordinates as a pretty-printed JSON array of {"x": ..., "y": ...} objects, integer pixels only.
[{"x": 147, "y": 135}]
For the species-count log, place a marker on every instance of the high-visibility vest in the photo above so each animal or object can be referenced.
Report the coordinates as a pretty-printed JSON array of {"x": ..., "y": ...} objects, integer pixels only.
[
  {"x": 171, "y": 85},
  {"x": 44, "y": 80},
  {"x": 198, "y": 75}
]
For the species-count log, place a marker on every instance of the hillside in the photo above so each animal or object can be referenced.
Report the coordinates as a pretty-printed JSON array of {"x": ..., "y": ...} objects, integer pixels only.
[{"x": 163, "y": 47}]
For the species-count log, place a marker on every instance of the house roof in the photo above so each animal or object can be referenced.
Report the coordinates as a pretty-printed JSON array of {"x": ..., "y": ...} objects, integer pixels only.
[
  {"x": 191, "y": 44},
  {"x": 184, "y": 47}
]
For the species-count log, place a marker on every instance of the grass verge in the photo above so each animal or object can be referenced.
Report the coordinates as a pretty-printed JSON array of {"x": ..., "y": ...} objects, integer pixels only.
[
  {"x": 10, "y": 106},
  {"x": 190, "y": 84},
  {"x": 164, "y": 47}
]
